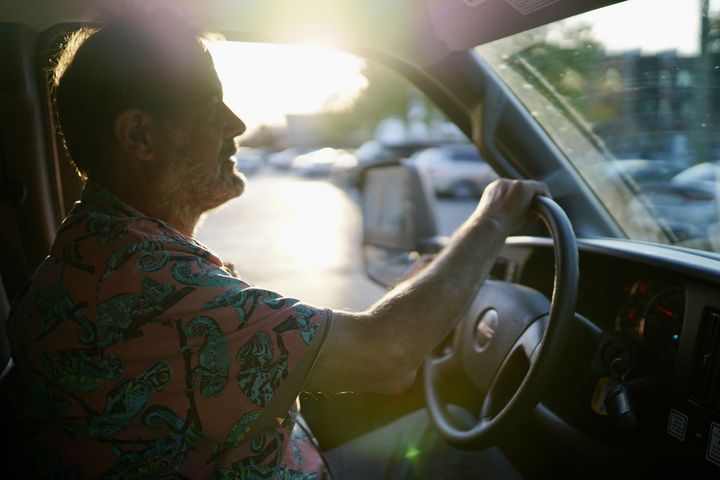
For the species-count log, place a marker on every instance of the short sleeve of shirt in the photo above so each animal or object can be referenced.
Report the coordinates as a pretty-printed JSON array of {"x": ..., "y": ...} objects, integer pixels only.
[{"x": 237, "y": 350}]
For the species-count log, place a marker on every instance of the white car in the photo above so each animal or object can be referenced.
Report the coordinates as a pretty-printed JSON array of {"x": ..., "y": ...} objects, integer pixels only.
[
  {"x": 456, "y": 170},
  {"x": 247, "y": 160},
  {"x": 316, "y": 163},
  {"x": 687, "y": 204},
  {"x": 283, "y": 160},
  {"x": 372, "y": 152}
]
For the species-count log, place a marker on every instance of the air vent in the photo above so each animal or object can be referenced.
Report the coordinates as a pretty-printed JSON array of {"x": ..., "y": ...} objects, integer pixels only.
[{"x": 706, "y": 363}]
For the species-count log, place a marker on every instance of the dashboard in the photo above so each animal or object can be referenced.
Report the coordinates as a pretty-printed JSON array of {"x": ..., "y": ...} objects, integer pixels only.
[{"x": 648, "y": 322}]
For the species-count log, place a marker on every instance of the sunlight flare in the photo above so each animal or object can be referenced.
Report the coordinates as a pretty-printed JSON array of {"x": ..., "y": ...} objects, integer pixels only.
[{"x": 263, "y": 83}]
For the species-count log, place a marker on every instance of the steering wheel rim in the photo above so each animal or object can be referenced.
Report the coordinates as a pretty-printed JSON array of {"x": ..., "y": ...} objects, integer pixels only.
[{"x": 543, "y": 360}]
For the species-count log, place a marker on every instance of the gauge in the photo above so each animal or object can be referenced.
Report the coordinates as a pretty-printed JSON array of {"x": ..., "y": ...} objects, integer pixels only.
[
  {"x": 661, "y": 322},
  {"x": 628, "y": 320}
]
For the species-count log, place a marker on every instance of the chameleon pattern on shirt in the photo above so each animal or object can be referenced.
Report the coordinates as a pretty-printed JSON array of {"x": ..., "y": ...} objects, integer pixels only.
[{"x": 138, "y": 355}]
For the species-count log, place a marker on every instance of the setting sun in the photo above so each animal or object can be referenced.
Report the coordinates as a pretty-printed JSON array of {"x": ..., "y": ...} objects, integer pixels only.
[{"x": 262, "y": 83}]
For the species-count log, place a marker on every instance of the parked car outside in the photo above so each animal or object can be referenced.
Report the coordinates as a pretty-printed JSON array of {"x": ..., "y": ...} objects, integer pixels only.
[
  {"x": 455, "y": 170},
  {"x": 248, "y": 160},
  {"x": 316, "y": 163},
  {"x": 639, "y": 170},
  {"x": 343, "y": 167},
  {"x": 706, "y": 172},
  {"x": 686, "y": 202},
  {"x": 373, "y": 152},
  {"x": 283, "y": 160}
]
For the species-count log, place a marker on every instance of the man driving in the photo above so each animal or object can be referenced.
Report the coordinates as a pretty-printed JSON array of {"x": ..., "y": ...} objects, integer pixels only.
[{"x": 137, "y": 353}]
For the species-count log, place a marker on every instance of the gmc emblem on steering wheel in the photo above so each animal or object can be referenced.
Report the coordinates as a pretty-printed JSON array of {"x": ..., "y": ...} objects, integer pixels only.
[{"x": 486, "y": 328}]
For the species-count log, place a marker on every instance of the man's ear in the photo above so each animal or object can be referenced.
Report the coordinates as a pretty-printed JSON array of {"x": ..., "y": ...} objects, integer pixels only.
[{"x": 133, "y": 131}]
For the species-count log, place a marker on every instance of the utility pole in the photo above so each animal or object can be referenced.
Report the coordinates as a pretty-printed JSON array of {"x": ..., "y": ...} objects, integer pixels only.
[{"x": 703, "y": 125}]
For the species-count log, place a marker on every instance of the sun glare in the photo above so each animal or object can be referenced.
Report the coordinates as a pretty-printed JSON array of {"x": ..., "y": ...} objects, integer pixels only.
[{"x": 263, "y": 83}]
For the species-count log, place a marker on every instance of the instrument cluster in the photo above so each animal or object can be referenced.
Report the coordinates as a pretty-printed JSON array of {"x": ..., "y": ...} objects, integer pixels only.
[{"x": 653, "y": 314}]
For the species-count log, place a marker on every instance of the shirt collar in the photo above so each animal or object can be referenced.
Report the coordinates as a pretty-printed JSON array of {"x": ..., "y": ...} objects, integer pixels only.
[{"x": 96, "y": 198}]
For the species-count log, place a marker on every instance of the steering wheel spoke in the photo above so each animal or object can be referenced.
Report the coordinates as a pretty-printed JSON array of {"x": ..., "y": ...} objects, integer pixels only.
[
  {"x": 531, "y": 339},
  {"x": 445, "y": 364}
]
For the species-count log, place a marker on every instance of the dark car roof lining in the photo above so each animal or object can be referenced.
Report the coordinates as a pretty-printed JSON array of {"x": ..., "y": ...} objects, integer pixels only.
[
  {"x": 462, "y": 24},
  {"x": 424, "y": 31}
]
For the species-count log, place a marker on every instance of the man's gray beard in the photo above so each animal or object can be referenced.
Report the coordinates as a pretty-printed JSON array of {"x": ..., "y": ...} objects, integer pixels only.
[{"x": 186, "y": 188}]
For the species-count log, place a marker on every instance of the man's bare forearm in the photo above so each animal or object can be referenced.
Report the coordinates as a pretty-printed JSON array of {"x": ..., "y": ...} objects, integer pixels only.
[
  {"x": 382, "y": 348},
  {"x": 421, "y": 311}
]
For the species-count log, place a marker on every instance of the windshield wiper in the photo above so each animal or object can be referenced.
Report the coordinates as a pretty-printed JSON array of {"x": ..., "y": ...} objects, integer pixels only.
[{"x": 529, "y": 72}]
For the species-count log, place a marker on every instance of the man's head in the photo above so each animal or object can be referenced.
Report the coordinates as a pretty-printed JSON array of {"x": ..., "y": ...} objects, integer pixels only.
[{"x": 140, "y": 94}]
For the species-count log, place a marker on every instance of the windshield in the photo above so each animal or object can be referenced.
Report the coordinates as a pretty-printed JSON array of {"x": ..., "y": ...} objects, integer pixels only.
[{"x": 629, "y": 95}]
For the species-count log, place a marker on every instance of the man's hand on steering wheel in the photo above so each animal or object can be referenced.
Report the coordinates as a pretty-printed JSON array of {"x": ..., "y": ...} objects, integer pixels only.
[{"x": 507, "y": 202}]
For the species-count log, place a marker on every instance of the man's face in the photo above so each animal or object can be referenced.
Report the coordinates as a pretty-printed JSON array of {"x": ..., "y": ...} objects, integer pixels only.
[{"x": 199, "y": 173}]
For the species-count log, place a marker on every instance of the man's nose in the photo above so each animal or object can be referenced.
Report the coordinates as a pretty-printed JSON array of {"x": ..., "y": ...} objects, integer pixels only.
[{"x": 234, "y": 126}]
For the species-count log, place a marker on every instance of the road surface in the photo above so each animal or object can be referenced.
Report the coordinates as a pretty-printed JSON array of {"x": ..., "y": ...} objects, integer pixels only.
[{"x": 301, "y": 238}]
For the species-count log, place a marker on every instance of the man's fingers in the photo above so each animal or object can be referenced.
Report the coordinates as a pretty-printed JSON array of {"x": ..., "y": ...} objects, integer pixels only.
[
  {"x": 509, "y": 200},
  {"x": 539, "y": 188}
]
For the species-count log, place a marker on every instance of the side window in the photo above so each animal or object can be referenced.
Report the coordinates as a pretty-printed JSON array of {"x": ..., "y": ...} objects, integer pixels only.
[{"x": 314, "y": 118}]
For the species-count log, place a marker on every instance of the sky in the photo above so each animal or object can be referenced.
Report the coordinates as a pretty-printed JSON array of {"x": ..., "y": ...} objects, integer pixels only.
[
  {"x": 263, "y": 83},
  {"x": 650, "y": 25}
]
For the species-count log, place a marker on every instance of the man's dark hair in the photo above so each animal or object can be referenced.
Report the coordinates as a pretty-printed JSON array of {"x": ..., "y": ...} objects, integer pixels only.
[{"x": 133, "y": 61}]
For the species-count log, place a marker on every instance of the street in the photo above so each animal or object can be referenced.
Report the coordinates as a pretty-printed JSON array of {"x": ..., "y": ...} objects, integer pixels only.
[{"x": 302, "y": 238}]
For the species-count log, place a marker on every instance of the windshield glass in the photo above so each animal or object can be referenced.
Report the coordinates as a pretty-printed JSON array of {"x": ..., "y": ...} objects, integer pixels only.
[{"x": 629, "y": 94}]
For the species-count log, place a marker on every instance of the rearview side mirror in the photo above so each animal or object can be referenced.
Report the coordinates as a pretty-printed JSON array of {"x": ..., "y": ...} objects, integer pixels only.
[{"x": 399, "y": 221}]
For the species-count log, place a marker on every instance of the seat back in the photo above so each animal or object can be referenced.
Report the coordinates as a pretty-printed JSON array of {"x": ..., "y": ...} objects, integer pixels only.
[
  {"x": 29, "y": 185},
  {"x": 27, "y": 213},
  {"x": 11, "y": 452},
  {"x": 4, "y": 344}
]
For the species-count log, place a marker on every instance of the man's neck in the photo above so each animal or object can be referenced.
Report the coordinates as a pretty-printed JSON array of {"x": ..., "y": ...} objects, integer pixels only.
[{"x": 146, "y": 199}]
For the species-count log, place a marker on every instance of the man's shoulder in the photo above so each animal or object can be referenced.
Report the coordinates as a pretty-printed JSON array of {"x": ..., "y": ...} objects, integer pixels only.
[
  {"x": 102, "y": 232},
  {"x": 104, "y": 228},
  {"x": 95, "y": 250}
]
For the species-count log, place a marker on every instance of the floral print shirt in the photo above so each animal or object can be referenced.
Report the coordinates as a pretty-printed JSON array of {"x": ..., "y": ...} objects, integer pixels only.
[{"x": 138, "y": 355}]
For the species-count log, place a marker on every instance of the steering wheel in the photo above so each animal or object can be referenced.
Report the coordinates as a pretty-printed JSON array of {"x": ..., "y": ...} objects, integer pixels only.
[{"x": 508, "y": 346}]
